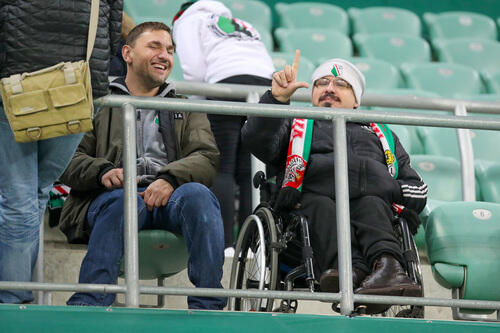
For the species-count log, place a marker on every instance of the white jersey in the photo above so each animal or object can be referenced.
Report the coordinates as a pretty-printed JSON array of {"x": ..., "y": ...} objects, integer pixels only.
[{"x": 212, "y": 45}]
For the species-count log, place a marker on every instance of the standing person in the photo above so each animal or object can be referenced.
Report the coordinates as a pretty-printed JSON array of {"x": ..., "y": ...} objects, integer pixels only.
[
  {"x": 35, "y": 35},
  {"x": 176, "y": 159},
  {"x": 214, "y": 47},
  {"x": 379, "y": 176}
]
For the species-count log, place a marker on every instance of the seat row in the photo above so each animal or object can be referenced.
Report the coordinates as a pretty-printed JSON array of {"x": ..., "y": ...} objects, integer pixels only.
[
  {"x": 316, "y": 44},
  {"x": 323, "y": 15}
]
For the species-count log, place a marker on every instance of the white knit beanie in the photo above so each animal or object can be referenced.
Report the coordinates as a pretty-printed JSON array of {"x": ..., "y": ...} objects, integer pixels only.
[{"x": 345, "y": 70}]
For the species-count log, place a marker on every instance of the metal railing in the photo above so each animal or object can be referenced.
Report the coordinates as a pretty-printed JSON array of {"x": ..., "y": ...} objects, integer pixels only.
[{"x": 339, "y": 117}]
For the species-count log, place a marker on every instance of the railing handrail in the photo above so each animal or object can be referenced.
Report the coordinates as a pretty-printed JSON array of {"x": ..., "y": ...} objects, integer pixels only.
[
  {"x": 370, "y": 98},
  {"x": 339, "y": 117}
]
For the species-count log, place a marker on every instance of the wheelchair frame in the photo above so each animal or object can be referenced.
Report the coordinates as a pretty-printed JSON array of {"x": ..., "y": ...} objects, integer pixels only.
[{"x": 264, "y": 236}]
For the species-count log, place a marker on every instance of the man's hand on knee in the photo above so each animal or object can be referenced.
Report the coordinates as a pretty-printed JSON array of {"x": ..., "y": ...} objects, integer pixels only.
[
  {"x": 157, "y": 194},
  {"x": 113, "y": 178}
]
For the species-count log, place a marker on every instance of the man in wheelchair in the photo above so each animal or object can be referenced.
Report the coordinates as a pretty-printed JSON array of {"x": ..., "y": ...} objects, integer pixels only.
[{"x": 380, "y": 179}]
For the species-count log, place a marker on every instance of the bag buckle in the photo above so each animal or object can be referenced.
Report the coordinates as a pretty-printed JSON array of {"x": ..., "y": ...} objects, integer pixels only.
[
  {"x": 34, "y": 133},
  {"x": 70, "y": 125}
]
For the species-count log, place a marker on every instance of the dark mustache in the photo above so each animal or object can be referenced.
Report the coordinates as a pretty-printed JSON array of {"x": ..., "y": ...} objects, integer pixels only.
[{"x": 326, "y": 95}]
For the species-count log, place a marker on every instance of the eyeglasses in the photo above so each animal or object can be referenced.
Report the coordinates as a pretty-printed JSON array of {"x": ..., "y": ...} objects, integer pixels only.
[{"x": 325, "y": 82}]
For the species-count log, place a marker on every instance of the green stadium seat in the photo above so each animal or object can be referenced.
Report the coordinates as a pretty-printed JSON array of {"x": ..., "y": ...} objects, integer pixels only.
[
  {"x": 493, "y": 82},
  {"x": 460, "y": 25},
  {"x": 306, "y": 67},
  {"x": 152, "y": 10},
  {"x": 177, "y": 74},
  {"x": 393, "y": 48},
  {"x": 403, "y": 134},
  {"x": 488, "y": 177},
  {"x": 379, "y": 74},
  {"x": 416, "y": 145},
  {"x": 442, "y": 174},
  {"x": 384, "y": 19},
  {"x": 481, "y": 54},
  {"x": 267, "y": 39},
  {"x": 446, "y": 79},
  {"x": 161, "y": 254},
  {"x": 463, "y": 245},
  {"x": 314, "y": 43},
  {"x": 312, "y": 15},
  {"x": 254, "y": 12},
  {"x": 443, "y": 141}
]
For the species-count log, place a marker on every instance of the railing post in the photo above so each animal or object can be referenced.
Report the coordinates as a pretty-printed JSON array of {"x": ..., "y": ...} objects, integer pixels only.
[
  {"x": 466, "y": 158},
  {"x": 130, "y": 206},
  {"x": 343, "y": 216}
]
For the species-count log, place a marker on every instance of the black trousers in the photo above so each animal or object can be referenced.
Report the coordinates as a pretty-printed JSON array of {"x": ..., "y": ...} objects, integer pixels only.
[
  {"x": 371, "y": 231},
  {"x": 235, "y": 170}
]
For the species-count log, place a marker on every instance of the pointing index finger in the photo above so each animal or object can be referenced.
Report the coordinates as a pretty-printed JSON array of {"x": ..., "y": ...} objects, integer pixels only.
[{"x": 296, "y": 61}]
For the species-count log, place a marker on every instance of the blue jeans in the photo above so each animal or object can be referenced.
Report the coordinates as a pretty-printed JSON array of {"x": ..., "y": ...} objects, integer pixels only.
[
  {"x": 192, "y": 211},
  {"x": 27, "y": 172}
]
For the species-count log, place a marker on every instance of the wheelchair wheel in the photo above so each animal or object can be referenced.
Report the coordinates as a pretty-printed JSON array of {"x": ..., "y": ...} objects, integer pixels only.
[
  {"x": 255, "y": 265},
  {"x": 410, "y": 311}
]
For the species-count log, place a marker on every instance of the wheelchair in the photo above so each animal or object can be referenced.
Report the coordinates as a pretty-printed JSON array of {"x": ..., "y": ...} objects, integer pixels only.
[{"x": 273, "y": 252}]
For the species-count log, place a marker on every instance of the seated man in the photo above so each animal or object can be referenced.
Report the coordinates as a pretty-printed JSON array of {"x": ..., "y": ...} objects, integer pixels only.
[
  {"x": 177, "y": 159},
  {"x": 307, "y": 175}
]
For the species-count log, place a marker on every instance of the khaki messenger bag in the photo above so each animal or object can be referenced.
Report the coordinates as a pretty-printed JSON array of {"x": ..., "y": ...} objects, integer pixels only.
[{"x": 53, "y": 101}]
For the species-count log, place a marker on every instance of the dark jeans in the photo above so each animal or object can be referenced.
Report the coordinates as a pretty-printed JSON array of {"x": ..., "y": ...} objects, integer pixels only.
[
  {"x": 234, "y": 167},
  {"x": 192, "y": 211},
  {"x": 371, "y": 231}
]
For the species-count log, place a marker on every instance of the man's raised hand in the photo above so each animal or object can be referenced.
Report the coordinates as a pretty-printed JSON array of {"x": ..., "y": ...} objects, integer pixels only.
[{"x": 285, "y": 82}]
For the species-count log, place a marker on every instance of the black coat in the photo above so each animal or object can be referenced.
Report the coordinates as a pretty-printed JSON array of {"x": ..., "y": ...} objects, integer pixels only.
[
  {"x": 35, "y": 34},
  {"x": 268, "y": 138}
]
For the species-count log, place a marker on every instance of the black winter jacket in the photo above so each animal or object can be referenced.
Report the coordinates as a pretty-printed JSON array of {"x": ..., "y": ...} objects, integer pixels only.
[
  {"x": 36, "y": 34},
  {"x": 268, "y": 139}
]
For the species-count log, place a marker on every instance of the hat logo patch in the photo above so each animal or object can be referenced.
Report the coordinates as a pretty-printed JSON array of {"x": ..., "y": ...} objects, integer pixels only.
[{"x": 337, "y": 70}]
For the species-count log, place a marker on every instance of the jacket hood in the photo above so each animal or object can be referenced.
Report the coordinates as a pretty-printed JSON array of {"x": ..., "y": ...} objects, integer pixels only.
[
  {"x": 119, "y": 87},
  {"x": 208, "y": 6}
]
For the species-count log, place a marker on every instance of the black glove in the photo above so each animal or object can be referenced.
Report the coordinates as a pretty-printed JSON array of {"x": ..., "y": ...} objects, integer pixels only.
[
  {"x": 288, "y": 199},
  {"x": 412, "y": 219},
  {"x": 379, "y": 182}
]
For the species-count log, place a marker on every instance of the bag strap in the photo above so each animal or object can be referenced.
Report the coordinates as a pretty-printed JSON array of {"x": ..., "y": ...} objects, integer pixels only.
[{"x": 94, "y": 17}]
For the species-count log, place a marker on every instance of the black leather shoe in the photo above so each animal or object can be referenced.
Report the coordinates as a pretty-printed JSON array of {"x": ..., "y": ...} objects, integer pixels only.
[
  {"x": 388, "y": 278},
  {"x": 329, "y": 280}
]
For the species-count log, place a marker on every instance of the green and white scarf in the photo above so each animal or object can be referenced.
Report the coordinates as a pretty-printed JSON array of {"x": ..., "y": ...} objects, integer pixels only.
[{"x": 299, "y": 149}]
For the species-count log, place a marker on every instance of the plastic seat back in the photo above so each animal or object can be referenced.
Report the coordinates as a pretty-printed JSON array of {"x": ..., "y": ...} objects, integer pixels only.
[
  {"x": 446, "y": 79},
  {"x": 384, "y": 19},
  {"x": 152, "y": 10},
  {"x": 492, "y": 81},
  {"x": 443, "y": 141},
  {"x": 442, "y": 175},
  {"x": 463, "y": 244},
  {"x": 161, "y": 254},
  {"x": 312, "y": 15},
  {"x": 488, "y": 178},
  {"x": 460, "y": 25},
  {"x": 306, "y": 67},
  {"x": 254, "y": 12},
  {"x": 481, "y": 54},
  {"x": 379, "y": 74},
  {"x": 314, "y": 43},
  {"x": 177, "y": 74},
  {"x": 393, "y": 48}
]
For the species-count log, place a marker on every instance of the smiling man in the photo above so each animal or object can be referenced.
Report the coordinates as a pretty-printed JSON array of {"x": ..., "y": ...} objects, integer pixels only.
[
  {"x": 177, "y": 159},
  {"x": 379, "y": 170}
]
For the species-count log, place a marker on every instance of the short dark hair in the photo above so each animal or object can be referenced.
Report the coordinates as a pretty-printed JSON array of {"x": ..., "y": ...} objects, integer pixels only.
[{"x": 143, "y": 27}]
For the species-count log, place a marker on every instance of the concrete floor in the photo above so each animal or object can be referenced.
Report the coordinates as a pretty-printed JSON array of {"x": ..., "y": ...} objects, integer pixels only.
[{"x": 62, "y": 264}]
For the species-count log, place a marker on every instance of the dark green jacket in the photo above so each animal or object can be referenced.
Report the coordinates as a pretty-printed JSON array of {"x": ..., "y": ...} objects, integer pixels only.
[{"x": 191, "y": 150}]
